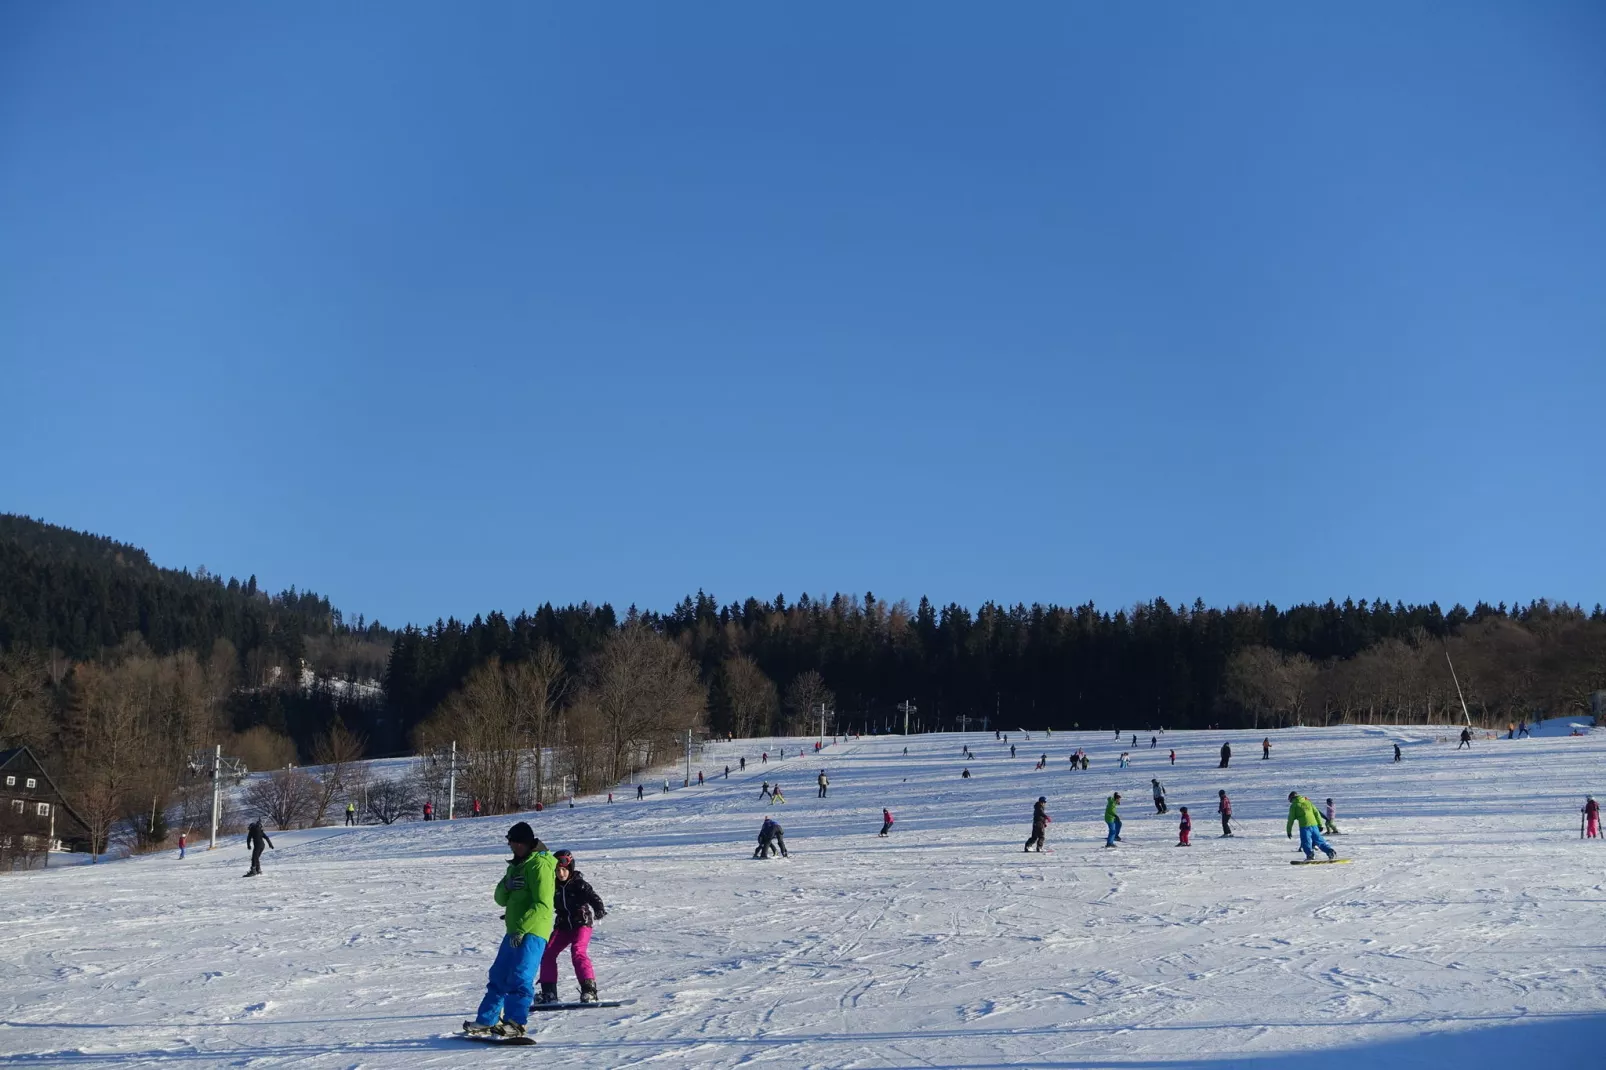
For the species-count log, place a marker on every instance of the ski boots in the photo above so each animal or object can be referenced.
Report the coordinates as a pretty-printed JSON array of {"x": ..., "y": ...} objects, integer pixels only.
[
  {"x": 507, "y": 1030},
  {"x": 475, "y": 1029},
  {"x": 548, "y": 993},
  {"x": 588, "y": 991}
]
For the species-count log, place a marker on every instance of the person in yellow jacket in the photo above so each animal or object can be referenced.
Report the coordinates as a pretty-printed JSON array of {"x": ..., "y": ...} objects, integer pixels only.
[
  {"x": 525, "y": 892},
  {"x": 1303, "y": 812}
]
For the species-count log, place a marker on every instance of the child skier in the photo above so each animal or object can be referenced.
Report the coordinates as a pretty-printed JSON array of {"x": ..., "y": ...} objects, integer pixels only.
[
  {"x": 1224, "y": 808},
  {"x": 1591, "y": 814},
  {"x": 1183, "y": 829},
  {"x": 764, "y": 792},
  {"x": 1327, "y": 817},
  {"x": 525, "y": 894},
  {"x": 1173, "y": 757},
  {"x": 1303, "y": 811},
  {"x": 1040, "y": 823},
  {"x": 886, "y": 821},
  {"x": 576, "y": 908}
]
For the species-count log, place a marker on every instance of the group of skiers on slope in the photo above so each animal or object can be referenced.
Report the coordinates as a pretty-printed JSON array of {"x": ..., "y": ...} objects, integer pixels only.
[
  {"x": 1301, "y": 811},
  {"x": 547, "y": 907}
]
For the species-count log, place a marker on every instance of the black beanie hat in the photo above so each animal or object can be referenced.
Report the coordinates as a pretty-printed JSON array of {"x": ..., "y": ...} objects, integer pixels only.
[{"x": 521, "y": 833}]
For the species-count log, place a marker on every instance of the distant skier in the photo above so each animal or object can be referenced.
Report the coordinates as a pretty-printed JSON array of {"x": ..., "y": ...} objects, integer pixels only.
[
  {"x": 1159, "y": 795},
  {"x": 824, "y": 783},
  {"x": 1134, "y": 739},
  {"x": 727, "y": 772},
  {"x": 764, "y": 792},
  {"x": 1224, "y": 808},
  {"x": 699, "y": 778},
  {"x": 1591, "y": 814},
  {"x": 1327, "y": 818},
  {"x": 1085, "y": 760},
  {"x": 1124, "y": 759},
  {"x": 429, "y": 811},
  {"x": 1040, "y": 823},
  {"x": 779, "y": 835},
  {"x": 351, "y": 813},
  {"x": 576, "y": 908},
  {"x": 1265, "y": 748},
  {"x": 1226, "y": 755},
  {"x": 1466, "y": 739},
  {"x": 1012, "y": 750},
  {"x": 1396, "y": 752},
  {"x": 1522, "y": 728},
  {"x": 525, "y": 893},
  {"x": 1154, "y": 741},
  {"x": 639, "y": 792},
  {"x": 777, "y": 797},
  {"x": 181, "y": 839},
  {"x": 666, "y": 787},
  {"x": 965, "y": 775},
  {"x": 1184, "y": 828},
  {"x": 764, "y": 758},
  {"x": 741, "y": 764},
  {"x": 1173, "y": 757},
  {"x": 886, "y": 821},
  {"x": 1112, "y": 820},
  {"x": 256, "y": 839},
  {"x": 1303, "y": 812},
  {"x": 476, "y": 811}
]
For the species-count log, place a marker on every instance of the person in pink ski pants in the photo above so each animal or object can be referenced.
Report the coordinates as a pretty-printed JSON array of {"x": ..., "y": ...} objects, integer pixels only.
[{"x": 575, "y": 909}]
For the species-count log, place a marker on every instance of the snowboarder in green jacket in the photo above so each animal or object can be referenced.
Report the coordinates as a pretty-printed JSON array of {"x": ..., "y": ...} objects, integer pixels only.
[
  {"x": 525, "y": 892},
  {"x": 1303, "y": 812},
  {"x": 1112, "y": 820}
]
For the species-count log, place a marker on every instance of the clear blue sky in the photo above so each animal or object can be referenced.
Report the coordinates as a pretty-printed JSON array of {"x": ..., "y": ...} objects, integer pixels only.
[{"x": 438, "y": 308}]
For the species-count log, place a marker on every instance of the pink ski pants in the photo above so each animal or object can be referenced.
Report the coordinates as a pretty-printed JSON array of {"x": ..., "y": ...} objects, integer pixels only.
[{"x": 578, "y": 941}]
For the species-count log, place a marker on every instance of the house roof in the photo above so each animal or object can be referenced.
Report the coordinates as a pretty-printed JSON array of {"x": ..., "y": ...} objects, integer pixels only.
[{"x": 11, "y": 755}]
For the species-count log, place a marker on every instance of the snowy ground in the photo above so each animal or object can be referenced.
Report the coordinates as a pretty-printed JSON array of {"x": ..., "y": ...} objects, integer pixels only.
[{"x": 1468, "y": 931}]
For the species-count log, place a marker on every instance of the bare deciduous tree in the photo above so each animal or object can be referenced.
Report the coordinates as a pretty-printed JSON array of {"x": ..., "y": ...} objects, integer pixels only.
[
  {"x": 642, "y": 692},
  {"x": 804, "y": 696},
  {"x": 392, "y": 800},
  {"x": 334, "y": 752},
  {"x": 750, "y": 697},
  {"x": 287, "y": 797}
]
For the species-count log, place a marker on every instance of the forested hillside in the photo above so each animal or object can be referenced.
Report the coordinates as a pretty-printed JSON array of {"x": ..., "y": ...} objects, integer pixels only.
[{"x": 118, "y": 672}]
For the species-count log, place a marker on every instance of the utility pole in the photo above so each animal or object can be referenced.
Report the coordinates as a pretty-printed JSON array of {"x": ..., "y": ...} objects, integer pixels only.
[
  {"x": 907, "y": 707},
  {"x": 217, "y": 791},
  {"x": 451, "y": 785},
  {"x": 822, "y": 724},
  {"x": 687, "y": 784}
]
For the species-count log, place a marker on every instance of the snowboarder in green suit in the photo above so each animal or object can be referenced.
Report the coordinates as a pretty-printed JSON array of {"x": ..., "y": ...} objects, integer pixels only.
[
  {"x": 1303, "y": 812},
  {"x": 525, "y": 892}
]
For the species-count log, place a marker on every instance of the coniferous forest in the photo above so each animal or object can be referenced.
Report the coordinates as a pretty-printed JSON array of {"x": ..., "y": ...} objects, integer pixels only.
[{"x": 97, "y": 640}]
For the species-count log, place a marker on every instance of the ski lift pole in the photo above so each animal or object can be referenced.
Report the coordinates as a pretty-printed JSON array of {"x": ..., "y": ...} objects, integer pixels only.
[
  {"x": 1458, "y": 693},
  {"x": 451, "y": 785},
  {"x": 217, "y": 789}
]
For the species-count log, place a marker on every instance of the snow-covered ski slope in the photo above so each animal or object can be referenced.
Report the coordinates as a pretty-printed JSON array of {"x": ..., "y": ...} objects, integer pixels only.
[{"x": 1469, "y": 931}]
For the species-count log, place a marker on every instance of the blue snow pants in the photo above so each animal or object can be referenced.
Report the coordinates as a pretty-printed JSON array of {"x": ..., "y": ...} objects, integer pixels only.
[
  {"x": 511, "y": 988},
  {"x": 1310, "y": 838},
  {"x": 1115, "y": 832}
]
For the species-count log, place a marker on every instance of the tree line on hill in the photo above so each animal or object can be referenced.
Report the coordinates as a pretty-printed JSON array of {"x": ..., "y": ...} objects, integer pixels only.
[{"x": 119, "y": 673}]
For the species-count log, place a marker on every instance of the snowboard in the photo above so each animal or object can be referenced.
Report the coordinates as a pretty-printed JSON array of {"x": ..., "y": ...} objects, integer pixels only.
[
  {"x": 512, "y": 1042},
  {"x": 578, "y": 1006},
  {"x": 1317, "y": 861}
]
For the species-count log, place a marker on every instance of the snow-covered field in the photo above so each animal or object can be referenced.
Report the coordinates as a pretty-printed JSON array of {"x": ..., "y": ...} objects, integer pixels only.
[{"x": 1469, "y": 931}]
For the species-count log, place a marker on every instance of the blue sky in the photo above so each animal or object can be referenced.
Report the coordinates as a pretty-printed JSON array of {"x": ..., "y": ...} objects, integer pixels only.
[{"x": 440, "y": 309}]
